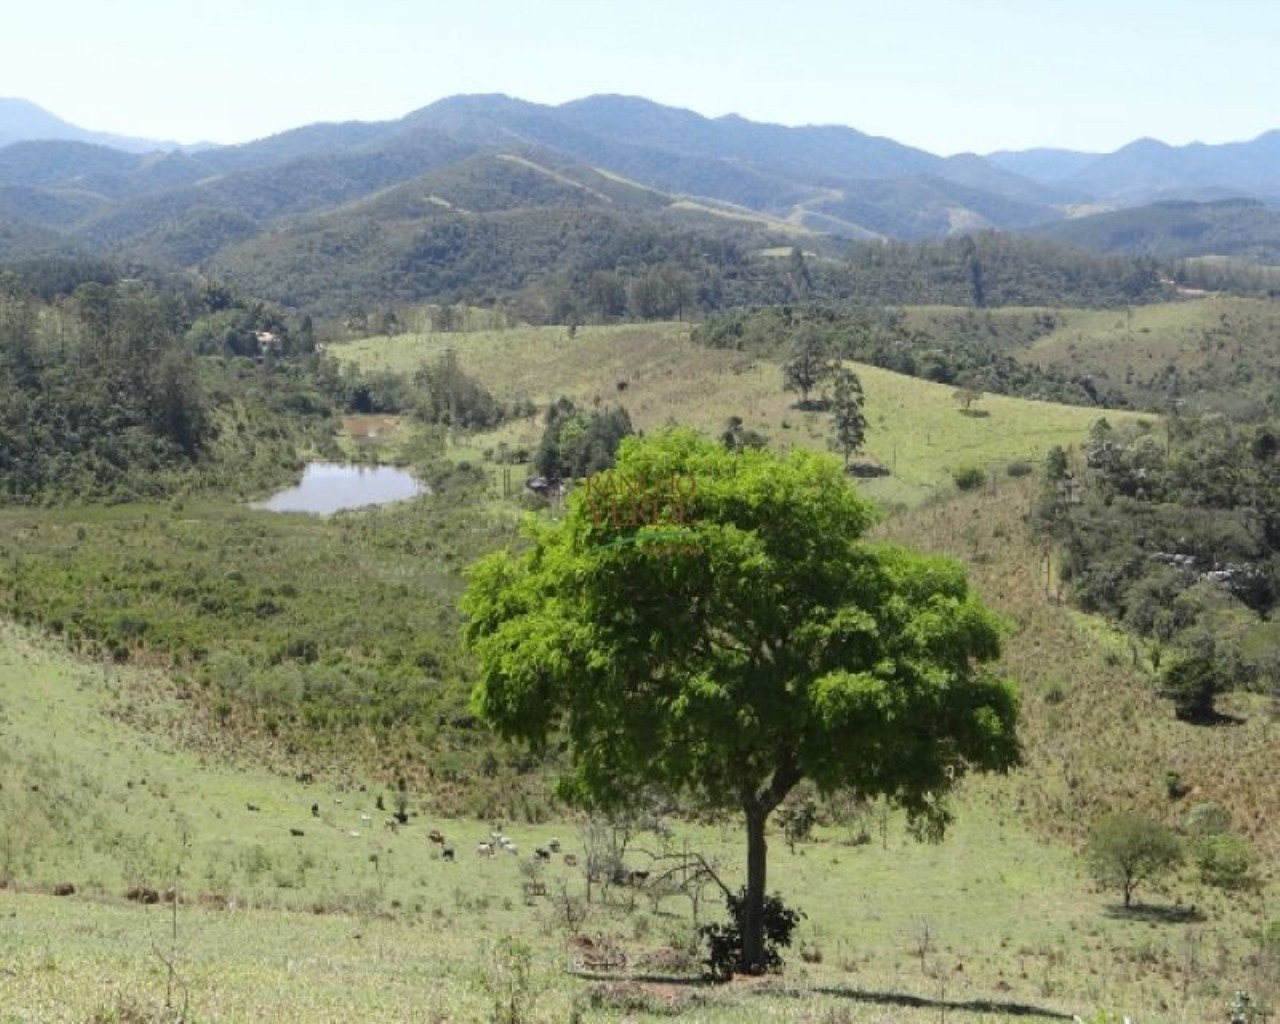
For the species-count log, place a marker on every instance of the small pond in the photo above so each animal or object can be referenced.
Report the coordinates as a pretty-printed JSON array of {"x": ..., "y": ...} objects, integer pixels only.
[{"x": 333, "y": 486}]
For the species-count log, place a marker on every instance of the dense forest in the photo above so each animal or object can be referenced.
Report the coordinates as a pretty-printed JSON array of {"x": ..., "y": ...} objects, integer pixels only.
[
  {"x": 136, "y": 389},
  {"x": 587, "y": 266}
]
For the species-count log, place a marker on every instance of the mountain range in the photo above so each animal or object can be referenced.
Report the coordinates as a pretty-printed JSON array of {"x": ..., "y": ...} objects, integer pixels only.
[{"x": 369, "y": 186}]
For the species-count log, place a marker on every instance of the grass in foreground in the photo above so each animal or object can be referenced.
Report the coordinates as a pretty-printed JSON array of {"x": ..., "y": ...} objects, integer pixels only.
[{"x": 99, "y": 791}]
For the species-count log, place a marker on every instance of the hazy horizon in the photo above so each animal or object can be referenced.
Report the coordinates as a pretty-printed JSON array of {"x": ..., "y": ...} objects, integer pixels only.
[{"x": 944, "y": 77}]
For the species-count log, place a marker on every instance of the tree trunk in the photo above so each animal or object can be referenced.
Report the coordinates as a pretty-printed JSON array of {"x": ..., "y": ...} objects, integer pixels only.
[
  {"x": 753, "y": 958},
  {"x": 757, "y": 807}
]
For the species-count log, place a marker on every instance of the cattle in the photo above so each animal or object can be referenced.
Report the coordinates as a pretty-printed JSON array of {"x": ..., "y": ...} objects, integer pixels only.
[
  {"x": 542, "y": 854},
  {"x": 484, "y": 849},
  {"x": 554, "y": 846},
  {"x": 252, "y": 807},
  {"x": 64, "y": 889},
  {"x": 315, "y": 810},
  {"x": 570, "y": 860},
  {"x": 296, "y": 832},
  {"x": 142, "y": 894},
  {"x": 436, "y": 837},
  {"x": 447, "y": 853}
]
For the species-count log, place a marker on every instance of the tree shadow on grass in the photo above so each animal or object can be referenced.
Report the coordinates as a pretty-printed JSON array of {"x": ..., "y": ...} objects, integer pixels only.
[
  {"x": 1212, "y": 719},
  {"x": 675, "y": 980},
  {"x": 1154, "y": 914},
  {"x": 907, "y": 1000},
  {"x": 977, "y": 414},
  {"x": 866, "y": 470}
]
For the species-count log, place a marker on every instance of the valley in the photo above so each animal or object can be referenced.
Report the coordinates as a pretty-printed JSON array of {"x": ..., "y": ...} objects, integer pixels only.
[{"x": 912, "y": 518}]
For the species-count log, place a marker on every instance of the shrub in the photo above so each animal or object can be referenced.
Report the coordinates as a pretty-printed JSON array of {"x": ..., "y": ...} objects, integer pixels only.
[
  {"x": 1173, "y": 785},
  {"x": 1019, "y": 468},
  {"x": 1208, "y": 819},
  {"x": 1194, "y": 682},
  {"x": 969, "y": 478},
  {"x": 1225, "y": 861},
  {"x": 724, "y": 940}
]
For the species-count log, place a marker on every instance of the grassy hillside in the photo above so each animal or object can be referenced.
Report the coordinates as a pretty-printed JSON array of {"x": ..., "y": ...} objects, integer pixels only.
[
  {"x": 917, "y": 430},
  {"x": 1217, "y": 352},
  {"x": 1208, "y": 352},
  {"x": 116, "y": 777},
  {"x": 103, "y": 786}
]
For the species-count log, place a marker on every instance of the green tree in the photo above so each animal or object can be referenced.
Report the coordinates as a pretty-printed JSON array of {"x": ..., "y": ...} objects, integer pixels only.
[
  {"x": 605, "y": 296},
  {"x": 1126, "y": 849},
  {"x": 846, "y": 412},
  {"x": 737, "y": 435},
  {"x": 1225, "y": 861},
  {"x": 800, "y": 280},
  {"x": 1194, "y": 682},
  {"x": 768, "y": 644},
  {"x": 966, "y": 396},
  {"x": 808, "y": 362},
  {"x": 576, "y": 444}
]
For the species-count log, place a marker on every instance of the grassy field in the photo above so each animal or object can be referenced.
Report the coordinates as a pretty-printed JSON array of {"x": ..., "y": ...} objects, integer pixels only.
[
  {"x": 916, "y": 430},
  {"x": 104, "y": 785},
  {"x": 1209, "y": 353},
  {"x": 1145, "y": 339}
]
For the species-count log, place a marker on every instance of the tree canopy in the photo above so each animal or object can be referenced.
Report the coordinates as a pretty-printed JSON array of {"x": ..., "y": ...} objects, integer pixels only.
[
  {"x": 733, "y": 634},
  {"x": 1126, "y": 849}
]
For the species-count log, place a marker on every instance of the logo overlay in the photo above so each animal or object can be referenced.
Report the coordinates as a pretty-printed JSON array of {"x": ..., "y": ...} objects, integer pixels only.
[{"x": 663, "y": 505}]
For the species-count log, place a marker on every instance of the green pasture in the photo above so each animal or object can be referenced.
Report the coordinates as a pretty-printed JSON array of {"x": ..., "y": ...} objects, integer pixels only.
[
  {"x": 917, "y": 432},
  {"x": 1188, "y": 333},
  {"x": 117, "y": 776},
  {"x": 105, "y": 788}
]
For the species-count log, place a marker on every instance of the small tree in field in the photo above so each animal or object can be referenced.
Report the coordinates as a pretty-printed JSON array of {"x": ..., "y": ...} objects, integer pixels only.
[
  {"x": 808, "y": 362},
  {"x": 1127, "y": 849},
  {"x": 737, "y": 637},
  {"x": 846, "y": 411},
  {"x": 966, "y": 397}
]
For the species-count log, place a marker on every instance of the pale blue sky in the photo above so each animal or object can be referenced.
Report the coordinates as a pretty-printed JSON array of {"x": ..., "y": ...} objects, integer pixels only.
[{"x": 946, "y": 76}]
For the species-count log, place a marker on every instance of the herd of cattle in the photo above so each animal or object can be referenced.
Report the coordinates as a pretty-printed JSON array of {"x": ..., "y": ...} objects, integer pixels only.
[{"x": 488, "y": 847}]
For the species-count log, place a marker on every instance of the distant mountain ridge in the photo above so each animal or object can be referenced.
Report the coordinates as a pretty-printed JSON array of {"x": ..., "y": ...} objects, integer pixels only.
[
  {"x": 386, "y": 192},
  {"x": 1141, "y": 171},
  {"x": 23, "y": 121}
]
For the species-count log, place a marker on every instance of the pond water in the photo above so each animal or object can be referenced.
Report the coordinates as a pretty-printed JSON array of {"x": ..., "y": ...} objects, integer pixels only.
[{"x": 333, "y": 486}]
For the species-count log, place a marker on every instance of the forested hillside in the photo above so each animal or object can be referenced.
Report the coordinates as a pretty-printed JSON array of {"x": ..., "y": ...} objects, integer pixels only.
[
  {"x": 1245, "y": 229},
  {"x": 1176, "y": 535},
  {"x": 133, "y": 389}
]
